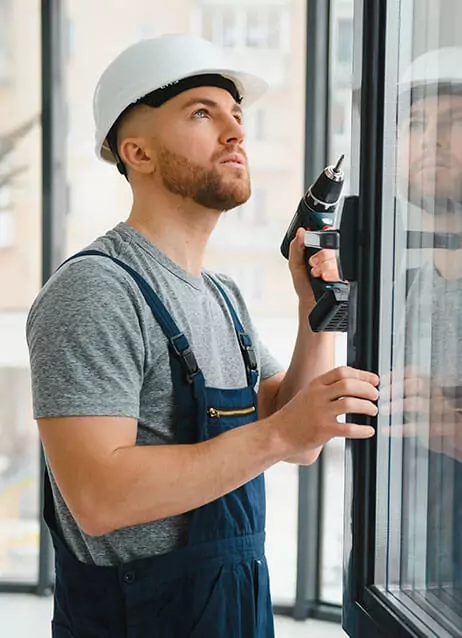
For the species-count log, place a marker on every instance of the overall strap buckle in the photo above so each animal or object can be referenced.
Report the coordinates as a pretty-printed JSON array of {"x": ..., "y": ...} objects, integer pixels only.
[
  {"x": 247, "y": 350},
  {"x": 183, "y": 350}
]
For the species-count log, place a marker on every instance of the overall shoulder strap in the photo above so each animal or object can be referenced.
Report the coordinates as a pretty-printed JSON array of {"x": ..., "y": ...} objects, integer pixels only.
[
  {"x": 245, "y": 342},
  {"x": 176, "y": 338}
]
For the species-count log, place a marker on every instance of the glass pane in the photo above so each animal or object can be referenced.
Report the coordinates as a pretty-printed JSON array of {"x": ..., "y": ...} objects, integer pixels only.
[
  {"x": 246, "y": 242},
  {"x": 232, "y": 32},
  {"x": 339, "y": 143},
  {"x": 420, "y": 446},
  {"x": 20, "y": 278}
]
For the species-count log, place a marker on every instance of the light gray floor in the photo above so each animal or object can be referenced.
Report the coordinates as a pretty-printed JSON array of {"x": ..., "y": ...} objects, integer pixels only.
[{"x": 28, "y": 617}]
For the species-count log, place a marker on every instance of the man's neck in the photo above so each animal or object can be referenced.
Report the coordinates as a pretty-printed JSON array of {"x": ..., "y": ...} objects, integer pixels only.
[
  {"x": 180, "y": 228},
  {"x": 447, "y": 262}
]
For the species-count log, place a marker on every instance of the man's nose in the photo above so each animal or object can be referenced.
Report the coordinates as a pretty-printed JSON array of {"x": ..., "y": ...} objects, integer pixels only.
[
  {"x": 437, "y": 134},
  {"x": 233, "y": 131}
]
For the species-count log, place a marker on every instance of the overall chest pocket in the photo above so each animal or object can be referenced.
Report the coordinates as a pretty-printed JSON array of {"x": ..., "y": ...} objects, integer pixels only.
[{"x": 220, "y": 419}]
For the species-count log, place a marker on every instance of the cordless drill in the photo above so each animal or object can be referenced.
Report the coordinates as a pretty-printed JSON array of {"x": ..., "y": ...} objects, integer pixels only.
[{"x": 316, "y": 213}]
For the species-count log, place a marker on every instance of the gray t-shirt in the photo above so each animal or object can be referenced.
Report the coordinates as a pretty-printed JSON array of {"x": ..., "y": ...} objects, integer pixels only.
[
  {"x": 434, "y": 328},
  {"x": 433, "y": 346},
  {"x": 96, "y": 349}
]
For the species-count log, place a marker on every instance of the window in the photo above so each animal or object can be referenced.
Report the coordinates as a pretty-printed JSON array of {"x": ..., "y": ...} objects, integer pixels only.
[
  {"x": 69, "y": 38},
  {"x": 6, "y": 200},
  {"x": 259, "y": 27},
  {"x": 419, "y": 512},
  {"x": 6, "y": 70},
  {"x": 253, "y": 212},
  {"x": 258, "y": 207},
  {"x": 257, "y": 33},
  {"x": 264, "y": 28},
  {"x": 345, "y": 40},
  {"x": 230, "y": 28},
  {"x": 20, "y": 268},
  {"x": 255, "y": 125},
  {"x": 7, "y": 226},
  {"x": 338, "y": 118}
]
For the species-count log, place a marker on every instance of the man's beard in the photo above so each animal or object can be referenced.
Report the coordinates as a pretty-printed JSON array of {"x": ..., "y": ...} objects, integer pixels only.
[
  {"x": 440, "y": 202},
  {"x": 206, "y": 187}
]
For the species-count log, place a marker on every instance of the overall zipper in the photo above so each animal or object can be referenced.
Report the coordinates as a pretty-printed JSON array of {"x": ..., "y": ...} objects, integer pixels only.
[{"x": 216, "y": 413}]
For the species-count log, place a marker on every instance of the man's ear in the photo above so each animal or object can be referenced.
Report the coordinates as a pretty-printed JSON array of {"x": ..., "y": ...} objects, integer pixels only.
[{"x": 137, "y": 155}]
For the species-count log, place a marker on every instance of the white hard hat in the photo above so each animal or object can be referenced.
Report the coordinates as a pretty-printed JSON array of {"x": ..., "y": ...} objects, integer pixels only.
[
  {"x": 439, "y": 66},
  {"x": 153, "y": 64}
]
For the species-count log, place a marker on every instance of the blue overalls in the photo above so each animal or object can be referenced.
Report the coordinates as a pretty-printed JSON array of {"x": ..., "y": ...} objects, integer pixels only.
[{"x": 217, "y": 585}]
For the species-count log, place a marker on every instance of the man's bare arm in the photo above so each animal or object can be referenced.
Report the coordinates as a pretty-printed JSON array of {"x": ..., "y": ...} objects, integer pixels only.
[
  {"x": 109, "y": 482},
  {"x": 313, "y": 353}
]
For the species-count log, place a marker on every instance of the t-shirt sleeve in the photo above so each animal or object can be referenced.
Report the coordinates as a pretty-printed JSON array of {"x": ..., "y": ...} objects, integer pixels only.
[
  {"x": 269, "y": 365},
  {"x": 86, "y": 342}
]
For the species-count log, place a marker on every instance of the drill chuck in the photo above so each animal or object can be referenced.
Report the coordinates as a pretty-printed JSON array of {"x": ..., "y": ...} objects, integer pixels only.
[
  {"x": 316, "y": 212},
  {"x": 317, "y": 208}
]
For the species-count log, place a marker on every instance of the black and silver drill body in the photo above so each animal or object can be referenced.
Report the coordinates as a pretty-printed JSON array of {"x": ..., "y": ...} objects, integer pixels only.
[{"x": 316, "y": 213}]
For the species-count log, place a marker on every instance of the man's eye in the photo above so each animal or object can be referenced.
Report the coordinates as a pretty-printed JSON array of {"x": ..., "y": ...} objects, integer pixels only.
[{"x": 201, "y": 114}]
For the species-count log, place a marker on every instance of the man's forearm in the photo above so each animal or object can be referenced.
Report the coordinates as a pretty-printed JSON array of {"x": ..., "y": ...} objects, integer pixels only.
[
  {"x": 314, "y": 354},
  {"x": 145, "y": 483}
]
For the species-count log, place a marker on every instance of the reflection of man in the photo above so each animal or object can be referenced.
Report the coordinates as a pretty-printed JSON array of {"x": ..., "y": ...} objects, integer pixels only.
[
  {"x": 430, "y": 158},
  {"x": 432, "y": 133},
  {"x": 430, "y": 190}
]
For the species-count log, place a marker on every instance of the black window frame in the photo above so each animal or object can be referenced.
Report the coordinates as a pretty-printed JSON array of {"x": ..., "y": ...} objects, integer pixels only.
[{"x": 368, "y": 611}]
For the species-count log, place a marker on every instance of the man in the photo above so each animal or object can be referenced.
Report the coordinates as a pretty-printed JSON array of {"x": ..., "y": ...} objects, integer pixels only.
[
  {"x": 146, "y": 369},
  {"x": 430, "y": 183}
]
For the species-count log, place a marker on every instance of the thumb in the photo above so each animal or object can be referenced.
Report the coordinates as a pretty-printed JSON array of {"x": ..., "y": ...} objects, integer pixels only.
[{"x": 297, "y": 249}]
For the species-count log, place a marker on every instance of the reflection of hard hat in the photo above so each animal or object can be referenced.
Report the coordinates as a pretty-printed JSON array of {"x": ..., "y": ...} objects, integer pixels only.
[
  {"x": 439, "y": 66},
  {"x": 153, "y": 64}
]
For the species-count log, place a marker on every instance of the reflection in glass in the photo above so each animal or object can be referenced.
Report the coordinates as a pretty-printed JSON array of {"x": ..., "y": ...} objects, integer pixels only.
[
  {"x": 420, "y": 449},
  {"x": 430, "y": 134}
]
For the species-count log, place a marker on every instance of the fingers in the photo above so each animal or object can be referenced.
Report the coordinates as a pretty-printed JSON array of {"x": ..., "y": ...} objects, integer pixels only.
[
  {"x": 324, "y": 256},
  {"x": 328, "y": 270},
  {"x": 352, "y": 388},
  {"x": 297, "y": 249},
  {"x": 352, "y": 405},
  {"x": 344, "y": 373},
  {"x": 355, "y": 431},
  {"x": 324, "y": 264},
  {"x": 352, "y": 391},
  {"x": 343, "y": 390}
]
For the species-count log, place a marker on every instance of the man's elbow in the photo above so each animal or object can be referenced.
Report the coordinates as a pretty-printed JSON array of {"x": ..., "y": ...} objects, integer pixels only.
[
  {"x": 95, "y": 525},
  {"x": 94, "y": 514}
]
